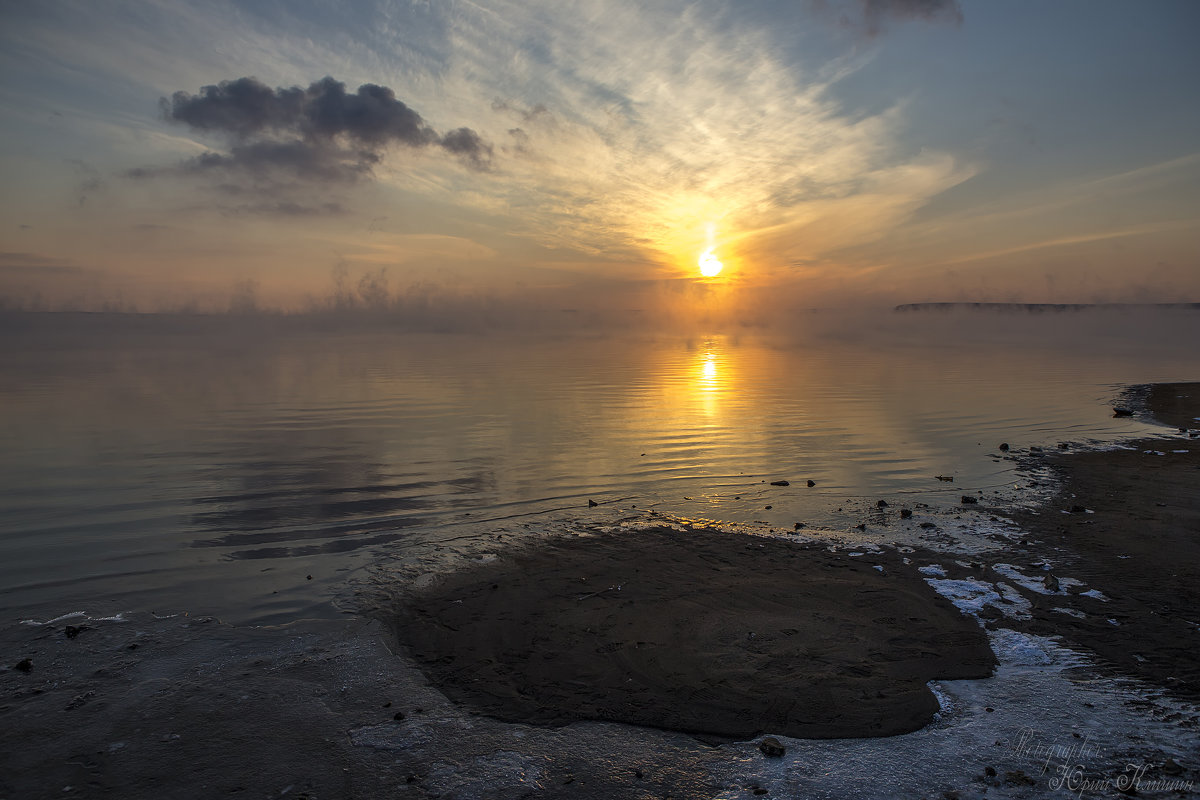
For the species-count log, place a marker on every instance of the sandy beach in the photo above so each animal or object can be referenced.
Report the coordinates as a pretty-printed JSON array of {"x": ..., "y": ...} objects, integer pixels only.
[{"x": 649, "y": 661}]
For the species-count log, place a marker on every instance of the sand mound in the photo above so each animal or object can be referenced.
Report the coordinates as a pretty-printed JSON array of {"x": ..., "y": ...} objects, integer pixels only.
[{"x": 709, "y": 633}]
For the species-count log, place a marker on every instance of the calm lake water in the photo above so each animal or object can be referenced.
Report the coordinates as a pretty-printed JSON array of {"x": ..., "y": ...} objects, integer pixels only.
[{"x": 213, "y": 465}]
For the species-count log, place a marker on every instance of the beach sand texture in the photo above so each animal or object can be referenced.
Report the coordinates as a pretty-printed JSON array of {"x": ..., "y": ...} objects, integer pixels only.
[{"x": 704, "y": 632}]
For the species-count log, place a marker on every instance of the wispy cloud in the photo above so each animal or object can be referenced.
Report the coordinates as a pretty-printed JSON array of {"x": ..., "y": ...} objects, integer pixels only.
[{"x": 636, "y": 131}]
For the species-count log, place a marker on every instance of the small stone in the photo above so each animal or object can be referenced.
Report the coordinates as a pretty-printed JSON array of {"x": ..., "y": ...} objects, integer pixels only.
[
  {"x": 771, "y": 747},
  {"x": 906, "y": 513},
  {"x": 882, "y": 504},
  {"x": 988, "y": 709},
  {"x": 1078, "y": 509},
  {"x": 862, "y": 526},
  {"x": 969, "y": 500},
  {"x": 798, "y": 526},
  {"x": 71, "y": 631},
  {"x": 812, "y": 484},
  {"x": 780, "y": 483},
  {"x": 1170, "y": 767},
  {"x": 947, "y": 478},
  {"x": 592, "y": 503},
  {"x": 768, "y": 508},
  {"x": 637, "y": 773},
  {"x": 24, "y": 665},
  {"x": 989, "y": 771},
  {"x": 1050, "y": 582},
  {"x": 1004, "y": 447},
  {"x": 928, "y": 525},
  {"x": 308, "y": 577},
  {"x": 1122, "y": 412},
  {"x": 398, "y": 716}
]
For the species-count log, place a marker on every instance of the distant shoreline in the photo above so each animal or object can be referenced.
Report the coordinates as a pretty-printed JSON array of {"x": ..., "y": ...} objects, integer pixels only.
[{"x": 1042, "y": 308}]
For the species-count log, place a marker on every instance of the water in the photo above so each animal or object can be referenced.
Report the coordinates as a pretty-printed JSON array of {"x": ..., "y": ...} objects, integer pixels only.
[{"x": 214, "y": 465}]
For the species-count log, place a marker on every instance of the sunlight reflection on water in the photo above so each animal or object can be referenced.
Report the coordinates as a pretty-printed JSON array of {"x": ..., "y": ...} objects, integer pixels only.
[{"x": 185, "y": 465}]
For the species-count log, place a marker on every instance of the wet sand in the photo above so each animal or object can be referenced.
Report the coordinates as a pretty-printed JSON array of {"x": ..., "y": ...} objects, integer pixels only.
[
  {"x": 705, "y": 632},
  {"x": 1140, "y": 546}
]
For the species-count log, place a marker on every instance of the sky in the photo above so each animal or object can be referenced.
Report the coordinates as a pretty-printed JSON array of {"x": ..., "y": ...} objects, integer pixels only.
[{"x": 589, "y": 154}]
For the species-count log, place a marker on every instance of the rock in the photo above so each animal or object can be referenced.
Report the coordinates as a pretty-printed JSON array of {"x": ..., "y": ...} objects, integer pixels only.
[
  {"x": 882, "y": 504},
  {"x": 1170, "y": 767},
  {"x": 861, "y": 526},
  {"x": 812, "y": 484},
  {"x": 1064, "y": 446},
  {"x": 780, "y": 483},
  {"x": 398, "y": 716},
  {"x": 928, "y": 525},
  {"x": 592, "y": 503},
  {"x": 947, "y": 478},
  {"x": 1004, "y": 447},
  {"x": 906, "y": 513},
  {"x": 989, "y": 772},
  {"x": 24, "y": 665},
  {"x": 1050, "y": 582},
  {"x": 799, "y": 525},
  {"x": 308, "y": 577},
  {"x": 1122, "y": 412},
  {"x": 1078, "y": 509},
  {"x": 71, "y": 631},
  {"x": 767, "y": 508},
  {"x": 968, "y": 500},
  {"x": 771, "y": 747}
]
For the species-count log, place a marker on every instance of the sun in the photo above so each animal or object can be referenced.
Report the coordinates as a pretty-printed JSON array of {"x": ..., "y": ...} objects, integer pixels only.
[{"x": 710, "y": 267}]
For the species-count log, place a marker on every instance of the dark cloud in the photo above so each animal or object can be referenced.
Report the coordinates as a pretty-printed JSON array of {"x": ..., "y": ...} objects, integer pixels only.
[
  {"x": 877, "y": 13},
  {"x": 873, "y": 17},
  {"x": 319, "y": 134}
]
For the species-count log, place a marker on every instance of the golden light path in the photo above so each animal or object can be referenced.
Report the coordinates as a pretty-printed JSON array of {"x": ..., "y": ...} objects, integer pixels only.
[{"x": 710, "y": 267}]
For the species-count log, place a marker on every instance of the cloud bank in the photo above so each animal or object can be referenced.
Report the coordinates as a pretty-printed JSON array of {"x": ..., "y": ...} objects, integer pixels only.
[{"x": 322, "y": 133}]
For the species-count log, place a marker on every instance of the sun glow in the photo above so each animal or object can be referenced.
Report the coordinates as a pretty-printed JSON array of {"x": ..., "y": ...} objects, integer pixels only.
[{"x": 710, "y": 267}]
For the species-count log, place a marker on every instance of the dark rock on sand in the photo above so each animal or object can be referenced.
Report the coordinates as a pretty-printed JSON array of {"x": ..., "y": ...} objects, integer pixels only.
[
  {"x": 24, "y": 665},
  {"x": 906, "y": 513},
  {"x": 780, "y": 483},
  {"x": 1004, "y": 447},
  {"x": 592, "y": 503},
  {"x": 1122, "y": 412},
  {"x": 839, "y": 650},
  {"x": 1051, "y": 583},
  {"x": 881, "y": 504},
  {"x": 72, "y": 631},
  {"x": 969, "y": 500},
  {"x": 1078, "y": 509},
  {"x": 812, "y": 484},
  {"x": 947, "y": 478},
  {"x": 798, "y": 526},
  {"x": 771, "y": 747}
]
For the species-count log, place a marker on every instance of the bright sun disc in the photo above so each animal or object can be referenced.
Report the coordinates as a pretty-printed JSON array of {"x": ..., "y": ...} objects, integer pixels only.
[{"x": 709, "y": 266}]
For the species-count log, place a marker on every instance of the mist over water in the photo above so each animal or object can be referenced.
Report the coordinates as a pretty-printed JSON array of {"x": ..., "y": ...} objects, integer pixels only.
[{"x": 211, "y": 464}]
